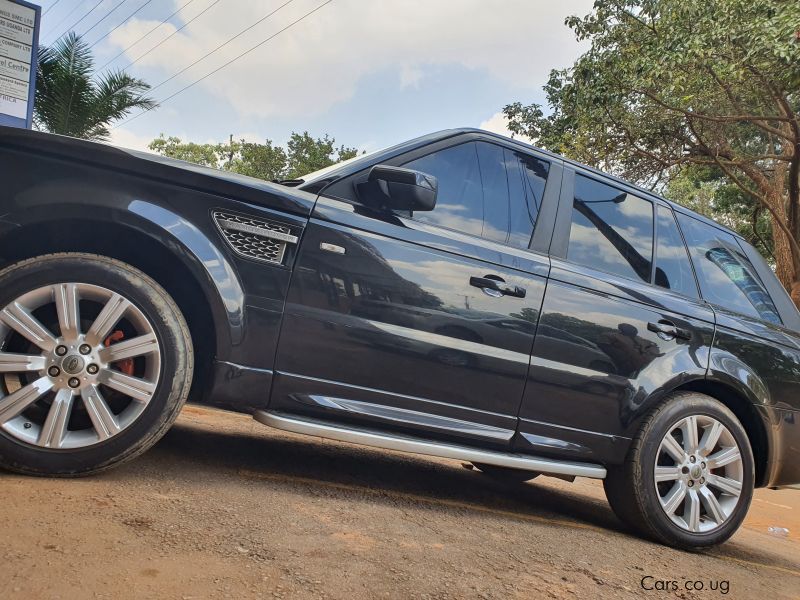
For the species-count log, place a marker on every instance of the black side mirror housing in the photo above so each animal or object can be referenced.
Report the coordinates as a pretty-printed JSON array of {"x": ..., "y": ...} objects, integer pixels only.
[{"x": 396, "y": 188}]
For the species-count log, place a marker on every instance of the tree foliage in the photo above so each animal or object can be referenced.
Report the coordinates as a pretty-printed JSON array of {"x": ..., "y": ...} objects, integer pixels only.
[
  {"x": 72, "y": 100},
  {"x": 672, "y": 91},
  {"x": 303, "y": 154}
]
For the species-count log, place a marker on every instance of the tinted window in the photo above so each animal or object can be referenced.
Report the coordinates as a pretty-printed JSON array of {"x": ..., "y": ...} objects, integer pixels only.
[
  {"x": 495, "y": 192},
  {"x": 473, "y": 189},
  {"x": 726, "y": 276},
  {"x": 527, "y": 177},
  {"x": 459, "y": 203},
  {"x": 673, "y": 270},
  {"x": 611, "y": 230}
]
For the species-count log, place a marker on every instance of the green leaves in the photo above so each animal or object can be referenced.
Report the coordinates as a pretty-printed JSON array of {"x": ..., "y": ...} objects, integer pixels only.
[
  {"x": 71, "y": 101},
  {"x": 304, "y": 154},
  {"x": 668, "y": 86}
]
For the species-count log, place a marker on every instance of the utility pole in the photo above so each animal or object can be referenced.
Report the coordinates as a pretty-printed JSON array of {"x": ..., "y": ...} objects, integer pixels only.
[{"x": 230, "y": 154}]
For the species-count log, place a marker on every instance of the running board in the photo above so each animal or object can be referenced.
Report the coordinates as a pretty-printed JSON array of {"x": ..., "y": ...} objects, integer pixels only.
[{"x": 392, "y": 441}]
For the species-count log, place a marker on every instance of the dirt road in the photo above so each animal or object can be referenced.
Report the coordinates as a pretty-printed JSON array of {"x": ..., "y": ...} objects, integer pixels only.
[{"x": 223, "y": 507}]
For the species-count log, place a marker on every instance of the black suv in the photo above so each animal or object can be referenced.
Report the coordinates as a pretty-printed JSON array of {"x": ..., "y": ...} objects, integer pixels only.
[{"x": 459, "y": 295}]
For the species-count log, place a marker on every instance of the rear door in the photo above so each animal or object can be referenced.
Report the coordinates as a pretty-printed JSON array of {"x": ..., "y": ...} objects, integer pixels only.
[
  {"x": 396, "y": 321},
  {"x": 621, "y": 322}
]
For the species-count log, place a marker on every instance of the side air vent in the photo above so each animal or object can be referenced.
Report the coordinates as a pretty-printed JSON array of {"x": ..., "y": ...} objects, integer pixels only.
[{"x": 255, "y": 238}]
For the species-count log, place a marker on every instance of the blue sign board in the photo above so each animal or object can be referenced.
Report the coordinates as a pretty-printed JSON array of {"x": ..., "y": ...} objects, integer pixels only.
[{"x": 19, "y": 44}]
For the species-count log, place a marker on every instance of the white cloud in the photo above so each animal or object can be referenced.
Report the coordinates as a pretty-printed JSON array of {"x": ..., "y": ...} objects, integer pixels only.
[
  {"x": 321, "y": 60},
  {"x": 498, "y": 123},
  {"x": 127, "y": 139}
]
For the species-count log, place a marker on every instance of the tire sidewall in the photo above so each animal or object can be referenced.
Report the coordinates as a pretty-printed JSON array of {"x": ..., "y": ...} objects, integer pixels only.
[
  {"x": 695, "y": 405},
  {"x": 166, "y": 321}
]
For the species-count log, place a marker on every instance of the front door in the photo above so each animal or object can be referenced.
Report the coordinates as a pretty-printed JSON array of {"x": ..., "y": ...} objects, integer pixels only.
[{"x": 422, "y": 323}]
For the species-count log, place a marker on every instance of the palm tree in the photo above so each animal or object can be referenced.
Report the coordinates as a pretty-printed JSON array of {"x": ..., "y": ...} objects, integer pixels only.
[{"x": 72, "y": 100}]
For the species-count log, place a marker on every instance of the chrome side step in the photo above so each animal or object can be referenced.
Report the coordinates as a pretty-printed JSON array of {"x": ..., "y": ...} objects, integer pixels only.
[{"x": 392, "y": 441}]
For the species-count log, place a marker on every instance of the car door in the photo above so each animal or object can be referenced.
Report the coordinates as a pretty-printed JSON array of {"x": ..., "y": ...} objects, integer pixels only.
[
  {"x": 621, "y": 322},
  {"x": 396, "y": 322}
]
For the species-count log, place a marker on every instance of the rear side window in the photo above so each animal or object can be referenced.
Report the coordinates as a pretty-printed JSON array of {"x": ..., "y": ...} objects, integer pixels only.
[
  {"x": 527, "y": 177},
  {"x": 611, "y": 230},
  {"x": 726, "y": 276},
  {"x": 673, "y": 269}
]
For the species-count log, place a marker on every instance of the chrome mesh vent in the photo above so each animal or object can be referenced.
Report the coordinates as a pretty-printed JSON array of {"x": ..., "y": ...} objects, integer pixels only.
[{"x": 255, "y": 238}]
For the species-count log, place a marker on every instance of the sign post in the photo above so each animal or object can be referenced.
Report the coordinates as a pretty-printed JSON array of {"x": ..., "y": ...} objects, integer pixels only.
[{"x": 19, "y": 41}]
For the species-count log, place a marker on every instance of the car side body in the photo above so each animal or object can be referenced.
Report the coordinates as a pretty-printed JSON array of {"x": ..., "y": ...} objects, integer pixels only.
[{"x": 382, "y": 322}]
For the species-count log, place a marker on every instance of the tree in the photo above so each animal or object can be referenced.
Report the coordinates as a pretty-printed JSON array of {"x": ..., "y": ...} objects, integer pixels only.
[
  {"x": 672, "y": 84},
  {"x": 306, "y": 154},
  {"x": 206, "y": 155},
  {"x": 267, "y": 161},
  {"x": 71, "y": 100}
]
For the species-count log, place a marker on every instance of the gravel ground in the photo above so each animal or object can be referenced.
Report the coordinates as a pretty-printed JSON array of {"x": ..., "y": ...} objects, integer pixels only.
[{"x": 223, "y": 507}]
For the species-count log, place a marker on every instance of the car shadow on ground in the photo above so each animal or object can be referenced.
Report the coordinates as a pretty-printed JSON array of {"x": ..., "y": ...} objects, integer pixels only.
[
  {"x": 306, "y": 464},
  {"x": 303, "y": 461}
]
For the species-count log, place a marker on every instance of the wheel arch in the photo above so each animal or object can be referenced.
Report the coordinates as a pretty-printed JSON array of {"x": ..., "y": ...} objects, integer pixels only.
[
  {"x": 167, "y": 259},
  {"x": 748, "y": 415}
]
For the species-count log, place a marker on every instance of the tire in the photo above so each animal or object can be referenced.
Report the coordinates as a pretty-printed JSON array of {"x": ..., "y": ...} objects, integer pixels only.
[
  {"x": 677, "y": 511},
  {"x": 95, "y": 406},
  {"x": 506, "y": 474}
]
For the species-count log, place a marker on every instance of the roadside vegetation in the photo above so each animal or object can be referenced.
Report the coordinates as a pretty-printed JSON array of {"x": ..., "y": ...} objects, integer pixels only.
[
  {"x": 302, "y": 154},
  {"x": 72, "y": 99},
  {"x": 696, "y": 99}
]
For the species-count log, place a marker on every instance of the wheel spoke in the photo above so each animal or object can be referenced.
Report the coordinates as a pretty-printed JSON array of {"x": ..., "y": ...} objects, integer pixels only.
[
  {"x": 710, "y": 438},
  {"x": 112, "y": 312},
  {"x": 725, "y": 484},
  {"x": 667, "y": 474},
  {"x": 55, "y": 426},
  {"x": 673, "y": 499},
  {"x": 138, "y": 389},
  {"x": 20, "y": 363},
  {"x": 144, "y": 344},
  {"x": 673, "y": 448},
  {"x": 68, "y": 309},
  {"x": 724, "y": 457},
  {"x": 24, "y": 323},
  {"x": 689, "y": 429},
  {"x": 691, "y": 511},
  {"x": 713, "y": 507},
  {"x": 104, "y": 421},
  {"x": 15, "y": 403}
]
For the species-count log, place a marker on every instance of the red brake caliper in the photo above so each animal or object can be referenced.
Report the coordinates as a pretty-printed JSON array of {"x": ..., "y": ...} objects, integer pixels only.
[{"x": 126, "y": 365}]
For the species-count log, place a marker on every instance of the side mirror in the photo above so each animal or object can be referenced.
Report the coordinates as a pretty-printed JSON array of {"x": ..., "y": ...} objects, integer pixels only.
[{"x": 396, "y": 188}]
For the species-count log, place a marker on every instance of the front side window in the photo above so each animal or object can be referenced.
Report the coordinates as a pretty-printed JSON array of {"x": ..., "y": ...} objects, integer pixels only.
[
  {"x": 459, "y": 202},
  {"x": 611, "y": 230},
  {"x": 527, "y": 177},
  {"x": 673, "y": 269},
  {"x": 727, "y": 278}
]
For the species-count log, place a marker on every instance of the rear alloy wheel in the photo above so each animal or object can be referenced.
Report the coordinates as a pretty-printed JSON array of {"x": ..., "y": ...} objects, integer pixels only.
[
  {"x": 95, "y": 362},
  {"x": 688, "y": 478}
]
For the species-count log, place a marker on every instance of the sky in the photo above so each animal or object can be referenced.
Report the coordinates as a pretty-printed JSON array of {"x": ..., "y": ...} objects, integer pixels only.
[{"x": 370, "y": 73}]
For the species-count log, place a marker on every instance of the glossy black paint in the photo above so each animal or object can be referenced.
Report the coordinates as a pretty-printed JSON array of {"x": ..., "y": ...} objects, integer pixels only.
[
  {"x": 397, "y": 317},
  {"x": 392, "y": 334}
]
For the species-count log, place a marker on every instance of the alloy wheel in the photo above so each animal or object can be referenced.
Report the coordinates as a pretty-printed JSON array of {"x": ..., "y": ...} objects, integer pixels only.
[
  {"x": 699, "y": 473},
  {"x": 78, "y": 365}
]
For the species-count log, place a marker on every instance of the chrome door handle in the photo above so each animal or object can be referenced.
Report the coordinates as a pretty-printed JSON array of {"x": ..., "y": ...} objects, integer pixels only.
[
  {"x": 493, "y": 283},
  {"x": 668, "y": 330}
]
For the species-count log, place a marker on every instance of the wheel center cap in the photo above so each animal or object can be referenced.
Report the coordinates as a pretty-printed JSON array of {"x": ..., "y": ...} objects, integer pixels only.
[
  {"x": 696, "y": 472},
  {"x": 72, "y": 364}
]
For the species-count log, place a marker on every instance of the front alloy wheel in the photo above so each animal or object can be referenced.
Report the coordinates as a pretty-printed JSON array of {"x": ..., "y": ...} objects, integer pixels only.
[
  {"x": 82, "y": 378},
  {"x": 95, "y": 363}
]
